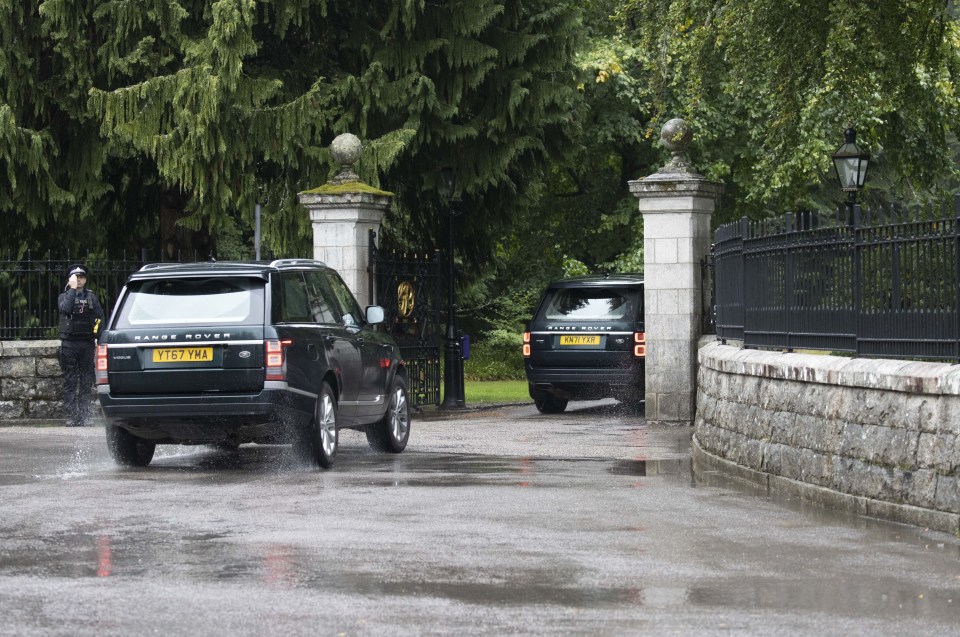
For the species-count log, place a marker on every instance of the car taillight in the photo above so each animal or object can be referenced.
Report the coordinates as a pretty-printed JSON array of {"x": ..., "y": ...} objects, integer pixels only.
[
  {"x": 102, "y": 378},
  {"x": 639, "y": 344},
  {"x": 276, "y": 361},
  {"x": 526, "y": 344}
]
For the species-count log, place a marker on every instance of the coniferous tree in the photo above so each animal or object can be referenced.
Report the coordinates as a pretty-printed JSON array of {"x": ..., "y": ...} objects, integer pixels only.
[{"x": 143, "y": 120}]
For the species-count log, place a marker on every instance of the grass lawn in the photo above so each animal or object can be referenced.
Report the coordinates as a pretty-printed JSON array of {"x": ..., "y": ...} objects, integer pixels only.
[{"x": 496, "y": 391}]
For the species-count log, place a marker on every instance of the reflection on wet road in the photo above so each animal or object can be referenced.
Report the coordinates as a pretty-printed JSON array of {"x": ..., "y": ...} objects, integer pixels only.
[{"x": 600, "y": 529}]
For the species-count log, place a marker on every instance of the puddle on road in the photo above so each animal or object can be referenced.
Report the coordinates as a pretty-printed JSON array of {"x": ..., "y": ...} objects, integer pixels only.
[
  {"x": 355, "y": 466},
  {"x": 833, "y": 597},
  {"x": 677, "y": 467},
  {"x": 164, "y": 552},
  {"x": 360, "y": 467},
  {"x": 216, "y": 557},
  {"x": 453, "y": 470}
]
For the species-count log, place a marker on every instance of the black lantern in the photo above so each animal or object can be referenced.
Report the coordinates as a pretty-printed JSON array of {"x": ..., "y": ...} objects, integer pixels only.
[
  {"x": 851, "y": 162},
  {"x": 453, "y": 394}
]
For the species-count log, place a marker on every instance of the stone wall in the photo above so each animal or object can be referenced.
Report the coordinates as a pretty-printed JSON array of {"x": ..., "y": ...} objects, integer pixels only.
[
  {"x": 873, "y": 436},
  {"x": 30, "y": 381}
]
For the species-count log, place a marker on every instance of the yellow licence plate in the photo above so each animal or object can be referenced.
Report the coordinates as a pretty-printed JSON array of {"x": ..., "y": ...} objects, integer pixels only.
[
  {"x": 570, "y": 339},
  {"x": 182, "y": 354}
]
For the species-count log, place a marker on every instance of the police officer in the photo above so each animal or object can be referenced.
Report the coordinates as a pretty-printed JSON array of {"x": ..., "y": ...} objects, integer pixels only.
[{"x": 80, "y": 318}]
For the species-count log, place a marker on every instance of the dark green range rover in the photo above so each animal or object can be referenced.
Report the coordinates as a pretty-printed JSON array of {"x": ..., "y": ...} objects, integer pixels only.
[
  {"x": 587, "y": 341},
  {"x": 229, "y": 353}
]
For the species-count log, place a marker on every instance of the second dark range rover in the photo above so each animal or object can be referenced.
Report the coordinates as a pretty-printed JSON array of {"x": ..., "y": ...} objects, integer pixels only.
[
  {"x": 587, "y": 341},
  {"x": 229, "y": 353}
]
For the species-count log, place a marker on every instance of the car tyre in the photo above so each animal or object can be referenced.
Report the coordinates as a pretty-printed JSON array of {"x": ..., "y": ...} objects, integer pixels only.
[
  {"x": 128, "y": 450},
  {"x": 392, "y": 431},
  {"x": 320, "y": 441},
  {"x": 550, "y": 404}
]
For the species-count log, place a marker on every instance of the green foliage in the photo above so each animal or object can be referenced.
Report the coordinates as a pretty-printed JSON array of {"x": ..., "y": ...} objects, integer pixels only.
[
  {"x": 497, "y": 357},
  {"x": 629, "y": 261},
  {"x": 163, "y": 116},
  {"x": 505, "y": 312},
  {"x": 573, "y": 267},
  {"x": 123, "y": 123},
  {"x": 769, "y": 86},
  {"x": 580, "y": 211},
  {"x": 232, "y": 245}
]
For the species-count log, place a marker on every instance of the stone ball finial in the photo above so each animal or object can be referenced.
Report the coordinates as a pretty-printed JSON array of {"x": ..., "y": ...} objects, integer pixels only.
[
  {"x": 676, "y": 136},
  {"x": 346, "y": 149}
]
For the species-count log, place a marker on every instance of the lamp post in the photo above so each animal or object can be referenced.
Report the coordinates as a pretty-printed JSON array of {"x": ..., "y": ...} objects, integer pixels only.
[
  {"x": 851, "y": 162},
  {"x": 453, "y": 356}
]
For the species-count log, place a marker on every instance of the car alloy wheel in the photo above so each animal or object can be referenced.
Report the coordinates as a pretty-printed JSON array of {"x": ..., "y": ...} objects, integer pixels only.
[
  {"x": 392, "y": 432},
  {"x": 321, "y": 439}
]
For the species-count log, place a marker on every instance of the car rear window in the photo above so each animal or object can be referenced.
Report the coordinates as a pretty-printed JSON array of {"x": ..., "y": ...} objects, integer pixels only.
[
  {"x": 576, "y": 304},
  {"x": 199, "y": 301}
]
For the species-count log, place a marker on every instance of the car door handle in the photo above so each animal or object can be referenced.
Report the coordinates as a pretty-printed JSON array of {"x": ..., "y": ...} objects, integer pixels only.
[{"x": 329, "y": 339}]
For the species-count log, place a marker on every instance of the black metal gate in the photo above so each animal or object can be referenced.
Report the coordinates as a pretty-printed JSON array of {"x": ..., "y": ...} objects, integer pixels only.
[{"x": 408, "y": 288}]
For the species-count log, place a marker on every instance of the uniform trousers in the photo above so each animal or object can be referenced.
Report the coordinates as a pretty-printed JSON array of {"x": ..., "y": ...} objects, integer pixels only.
[{"x": 76, "y": 362}]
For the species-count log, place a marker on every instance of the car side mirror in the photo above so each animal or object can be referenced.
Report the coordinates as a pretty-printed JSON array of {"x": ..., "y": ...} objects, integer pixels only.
[{"x": 374, "y": 314}]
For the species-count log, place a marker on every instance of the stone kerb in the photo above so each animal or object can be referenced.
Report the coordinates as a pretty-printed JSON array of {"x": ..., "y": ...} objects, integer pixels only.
[{"x": 878, "y": 437}]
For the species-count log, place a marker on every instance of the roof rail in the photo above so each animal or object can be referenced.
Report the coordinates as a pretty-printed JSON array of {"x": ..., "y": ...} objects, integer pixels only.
[
  {"x": 198, "y": 264},
  {"x": 280, "y": 262}
]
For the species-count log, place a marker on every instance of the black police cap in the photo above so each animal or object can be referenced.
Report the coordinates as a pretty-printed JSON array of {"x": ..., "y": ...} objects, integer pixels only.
[{"x": 79, "y": 269}]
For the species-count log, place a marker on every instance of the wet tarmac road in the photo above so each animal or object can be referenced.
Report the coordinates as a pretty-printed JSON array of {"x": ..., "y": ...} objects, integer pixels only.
[{"x": 497, "y": 522}]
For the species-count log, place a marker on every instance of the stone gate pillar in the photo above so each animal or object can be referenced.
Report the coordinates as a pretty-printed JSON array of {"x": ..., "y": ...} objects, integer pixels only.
[
  {"x": 676, "y": 204},
  {"x": 343, "y": 211}
]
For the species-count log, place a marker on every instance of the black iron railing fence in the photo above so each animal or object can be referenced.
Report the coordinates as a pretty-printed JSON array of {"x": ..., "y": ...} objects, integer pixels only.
[
  {"x": 707, "y": 302},
  {"x": 875, "y": 283},
  {"x": 29, "y": 287}
]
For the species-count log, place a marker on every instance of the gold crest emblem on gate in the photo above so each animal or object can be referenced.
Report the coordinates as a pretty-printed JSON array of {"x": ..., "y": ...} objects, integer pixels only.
[{"x": 405, "y": 299}]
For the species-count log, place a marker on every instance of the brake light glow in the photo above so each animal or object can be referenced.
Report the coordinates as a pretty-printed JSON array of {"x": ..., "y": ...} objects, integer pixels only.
[
  {"x": 526, "y": 344},
  {"x": 102, "y": 378},
  {"x": 640, "y": 344},
  {"x": 276, "y": 361}
]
